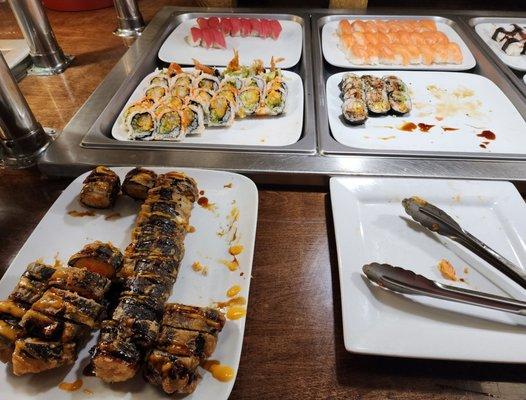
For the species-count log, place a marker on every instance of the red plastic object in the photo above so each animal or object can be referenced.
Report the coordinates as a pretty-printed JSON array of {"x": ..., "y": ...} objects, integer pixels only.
[{"x": 77, "y": 5}]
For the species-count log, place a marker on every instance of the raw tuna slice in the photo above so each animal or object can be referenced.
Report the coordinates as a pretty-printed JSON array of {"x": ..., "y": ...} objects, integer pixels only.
[
  {"x": 195, "y": 36},
  {"x": 265, "y": 28},
  {"x": 208, "y": 38},
  {"x": 213, "y": 22},
  {"x": 256, "y": 27},
  {"x": 226, "y": 26},
  {"x": 236, "y": 26},
  {"x": 275, "y": 29},
  {"x": 219, "y": 39},
  {"x": 202, "y": 22},
  {"x": 246, "y": 27}
]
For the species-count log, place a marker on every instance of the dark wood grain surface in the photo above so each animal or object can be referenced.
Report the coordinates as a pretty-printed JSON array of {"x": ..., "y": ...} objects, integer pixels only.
[{"x": 293, "y": 346}]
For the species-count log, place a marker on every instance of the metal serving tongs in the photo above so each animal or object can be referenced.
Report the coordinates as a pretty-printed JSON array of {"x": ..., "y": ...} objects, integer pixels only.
[
  {"x": 404, "y": 281},
  {"x": 438, "y": 221}
]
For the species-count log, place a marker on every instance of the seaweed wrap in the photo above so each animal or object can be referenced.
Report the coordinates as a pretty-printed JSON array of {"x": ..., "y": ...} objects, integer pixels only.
[
  {"x": 100, "y": 189},
  {"x": 137, "y": 183}
]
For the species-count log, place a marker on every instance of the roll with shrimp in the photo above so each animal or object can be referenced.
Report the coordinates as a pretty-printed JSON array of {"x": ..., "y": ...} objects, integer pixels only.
[
  {"x": 192, "y": 119},
  {"x": 140, "y": 124},
  {"x": 274, "y": 99},
  {"x": 168, "y": 122},
  {"x": 222, "y": 111}
]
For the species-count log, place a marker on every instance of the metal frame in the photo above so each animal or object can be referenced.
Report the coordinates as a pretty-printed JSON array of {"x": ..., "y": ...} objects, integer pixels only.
[{"x": 67, "y": 157}]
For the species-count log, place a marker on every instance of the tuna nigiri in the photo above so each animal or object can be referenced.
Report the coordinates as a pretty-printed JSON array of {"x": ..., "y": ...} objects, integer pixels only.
[
  {"x": 226, "y": 26},
  {"x": 246, "y": 27},
  {"x": 236, "y": 26},
  {"x": 255, "y": 27},
  {"x": 207, "y": 38},
  {"x": 213, "y": 22},
  {"x": 219, "y": 39},
  {"x": 202, "y": 22},
  {"x": 195, "y": 37},
  {"x": 275, "y": 29}
]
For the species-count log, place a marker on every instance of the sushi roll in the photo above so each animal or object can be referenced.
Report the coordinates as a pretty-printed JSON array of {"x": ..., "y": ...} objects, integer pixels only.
[
  {"x": 354, "y": 111},
  {"x": 249, "y": 101},
  {"x": 41, "y": 326},
  {"x": 137, "y": 183},
  {"x": 174, "y": 102},
  {"x": 35, "y": 355},
  {"x": 207, "y": 81},
  {"x": 200, "y": 319},
  {"x": 168, "y": 123},
  {"x": 144, "y": 103},
  {"x": 182, "y": 78},
  {"x": 201, "y": 99},
  {"x": 182, "y": 342},
  {"x": 101, "y": 188},
  {"x": 156, "y": 92},
  {"x": 398, "y": 94},
  {"x": 192, "y": 120},
  {"x": 274, "y": 99},
  {"x": 232, "y": 81},
  {"x": 150, "y": 264},
  {"x": 161, "y": 79},
  {"x": 81, "y": 281},
  {"x": 222, "y": 111},
  {"x": 98, "y": 257},
  {"x": 140, "y": 124},
  {"x": 375, "y": 95}
]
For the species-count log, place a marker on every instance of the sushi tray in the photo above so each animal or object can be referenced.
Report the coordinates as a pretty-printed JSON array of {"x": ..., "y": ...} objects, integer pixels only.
[
  {"x": 100, "y": 288},
  {"x": 403, "y": 42},
  {"x": 268, "y": 146},
  {"x": 448, "y": 113},
  {"x": 485, "y": 28},
  {"x": 285, "y": 126}
]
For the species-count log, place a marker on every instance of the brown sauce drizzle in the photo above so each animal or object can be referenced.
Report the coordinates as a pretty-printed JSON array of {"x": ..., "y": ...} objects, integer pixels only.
[
  {"x": 408, "y": 127},
  {"x": 447, "y": 129},
  {"x": 489, "y": 135},
  {"x": 71, "y": 387},
  {"x": 202, "y": 201},
  {"x": 76, "y": 213},
  {"x": 424, "y": 127}
]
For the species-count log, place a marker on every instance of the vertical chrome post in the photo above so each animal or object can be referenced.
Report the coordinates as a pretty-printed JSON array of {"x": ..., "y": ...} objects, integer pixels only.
[
  {"x": 47, "y": 56},
  {"x": 129, "y": 18},
  {"x": 22, "y": 138}
]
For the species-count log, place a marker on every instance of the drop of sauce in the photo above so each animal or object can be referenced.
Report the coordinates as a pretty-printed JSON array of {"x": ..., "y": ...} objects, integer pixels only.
[
  {"x": 231, "y": 265},
  {"x": 236, "y": 301},
  {"x": 489, "y": 135},
  {"x": 408, "y": 127},
  {"x": 75, "y": 213},
  {"x": 71, "y": 387},
  {"x": 233, "y": 291},
  {"x": 88, "y": 370},
  {"x": 448, "y": 129},
  {"x": 202, "y": 201},
  {"x": 482, "y": 145},
  {"x": 424, "y": 127},
  {"x": 201, "y": 192},
  {"x": 236, "y": 249},
  {"x": 236, "y": 312},
  {"x": 221, "y": 372}
]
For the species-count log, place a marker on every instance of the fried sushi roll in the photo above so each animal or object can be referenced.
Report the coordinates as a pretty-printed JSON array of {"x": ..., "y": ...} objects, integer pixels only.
[
  {"x": 41, "y": 326},
  {"x": 81, "y": 281},
  {"x": 155, "y": 225},
  {"x": 148, "y": 285},
  {"x": 201, "y": 319},
  {"x": 98, "y": 257},
  {"x": 138, "y": 308},
  {"x": 398, "y": 94},
  {"x": 222, "y": 111},
  {"x": 101, "y": 188},
  {"x": 156, "y": 92},
  {"x": 182, "y": 342},
  {"x": 28, "y": 291},
  {"x": 9, "y": 333},
  {"x": 149, "y": 265},
  {"x": 179, "y": 183},
  {"x": 249, "y": 100},
  {"x": 274, "y": 99},
  {"x": 137, "y": 183},
  {"x": 173, "y": 374},
  {"x": 376, "y": 95},
  {"x": 69, "y": 306},
  {"x": 168, "y": 124},
  {"x": 34, "y": 355}
]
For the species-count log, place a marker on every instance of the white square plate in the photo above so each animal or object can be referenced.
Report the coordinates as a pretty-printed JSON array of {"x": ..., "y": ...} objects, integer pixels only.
[
  {"x": 281, "y": 130},
  {"x": 485, "y": 31},
  {"x": 60, "y": 235},
  {"x": 468, "y": 102},
  {"x": 288, "y": 45},
  {"x": 336, "y": 57},
  {"x": 371, "y": 226}
]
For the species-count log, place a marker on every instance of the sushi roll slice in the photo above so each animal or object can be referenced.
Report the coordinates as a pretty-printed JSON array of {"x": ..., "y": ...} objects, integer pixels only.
[
  {"x": 168, "y": 123},
  {"x": 201, "y": 98},
  {"x": 398, "y": 94},
  {"x": 173, "y": 374},
  {"x": 81, "y": 281},
  {"x": 101, "y": 188},
  {"x": 230, "y": 93},
  {"x": 249, "y": 101},
  {"x": 156, "y": 92},
  {"x": 274, "y": 99},
  {"x": 200, "y": 319},
  {"x": 152, "y": 285},
  {"x": 27, "y": 291},
  {"x": 138, "y": 308},
  {"x": 174, "y": 102},
  {"x": 161, "y": 79},
  {"x": 192, "y": 120},
  {"x": 140, "y": 124},
  {"x": 150, "y": 265},
  {"x": 98, "y": 257},
  {"x": 375, "y": 95},
  {"x": 233, "y": 81},
  {"x": 182, "y": 342},
  {"x": 115, "y": 358},
  {"x": 137, "y": 183},
  {"x": 41, "y": 326},
  {"x": 207, "y": 81},
  {"x": 354, "y": 111},
  {"x": 35, "y": 355},
  {"x": 222, "y": 111},
  {"x": 182, "y": 78},
  {"x": 142, "y": 104}
]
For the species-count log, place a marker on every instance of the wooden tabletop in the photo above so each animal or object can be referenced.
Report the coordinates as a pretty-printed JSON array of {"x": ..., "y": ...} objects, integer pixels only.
[{"x": 293, "y": 346}]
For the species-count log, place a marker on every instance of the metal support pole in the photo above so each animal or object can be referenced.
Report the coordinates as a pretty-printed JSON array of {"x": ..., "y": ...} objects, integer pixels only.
[
  {"x": 47, "y": 56},
  {"x": 22, "y": 138},
  {"x": 129, "y": 18}
]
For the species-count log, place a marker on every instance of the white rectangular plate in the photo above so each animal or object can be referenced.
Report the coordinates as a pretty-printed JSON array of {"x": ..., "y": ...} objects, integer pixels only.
[
  {"x": 371, "y": 226},
  {"x": 288, "y": 45},
  {"x": 63, "y": 235},
  {"x": 485, "y": 31},
  {"x": 336, "y": 57},
  {"x": 468, "y": 102},
  {"x": 281, "y": 130}
]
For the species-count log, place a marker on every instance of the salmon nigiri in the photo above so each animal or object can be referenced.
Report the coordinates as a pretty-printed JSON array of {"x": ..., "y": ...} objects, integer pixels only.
[
  {"x": 441, "y": 53},
  {"x": 414, "y": 54},
  {"x": 428, "y": 54},
  {"x": 358, "y": 26},
  {"x": 454, "y": 54},
  {"x": 344, "y": 27}
]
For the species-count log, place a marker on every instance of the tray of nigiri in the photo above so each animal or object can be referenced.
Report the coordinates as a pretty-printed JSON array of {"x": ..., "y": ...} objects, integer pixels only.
[
  {"x": 211, "y": 38},
  {"x": 506, "y": 37},
  {"x": 386, "y": 42}
]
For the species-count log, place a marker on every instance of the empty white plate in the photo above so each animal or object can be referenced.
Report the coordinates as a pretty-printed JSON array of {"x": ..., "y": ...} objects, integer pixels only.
[{"x": 371, "y": 225}]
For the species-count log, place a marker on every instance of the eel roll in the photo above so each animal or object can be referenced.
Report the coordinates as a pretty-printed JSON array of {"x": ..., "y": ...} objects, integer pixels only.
[
  {"x": 34, "y": 355},
  {"x": 101, "y": 188},
  {"x": 137, "y": 183},
  {"x": 98, "y": 257}
]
